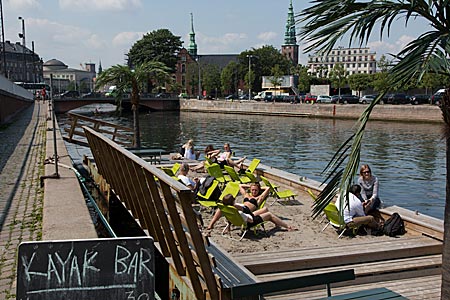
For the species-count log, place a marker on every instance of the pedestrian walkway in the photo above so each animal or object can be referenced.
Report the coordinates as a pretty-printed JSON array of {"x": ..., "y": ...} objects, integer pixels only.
[{"x": 22, "y": 154}]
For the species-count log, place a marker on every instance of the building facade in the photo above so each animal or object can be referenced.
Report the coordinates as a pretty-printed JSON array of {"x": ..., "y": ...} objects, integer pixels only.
[
  {"x": 20, "y": 64},
  {"x": 65, "y": 78},
  {"x": 354, "y": 61}
]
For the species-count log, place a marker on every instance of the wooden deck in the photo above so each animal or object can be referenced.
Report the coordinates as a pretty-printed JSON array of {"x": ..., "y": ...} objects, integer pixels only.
[{"x": 409, "y": 266}]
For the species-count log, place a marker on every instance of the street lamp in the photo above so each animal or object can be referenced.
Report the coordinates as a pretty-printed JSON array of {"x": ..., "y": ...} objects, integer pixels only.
[
  {"x": 249, "y": 76},
  {"x": 22, "y": 35},
  {"x": 3, "y": 41}
]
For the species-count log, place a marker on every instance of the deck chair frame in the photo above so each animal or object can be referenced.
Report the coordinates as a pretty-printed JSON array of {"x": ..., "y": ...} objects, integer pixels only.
[
  {"x": 278, "y": 195},
  {"x": 337, "y": 221}
]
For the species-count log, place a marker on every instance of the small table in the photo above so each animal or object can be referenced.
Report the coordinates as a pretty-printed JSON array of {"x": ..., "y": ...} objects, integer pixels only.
[{"x": 154, "y": 155}]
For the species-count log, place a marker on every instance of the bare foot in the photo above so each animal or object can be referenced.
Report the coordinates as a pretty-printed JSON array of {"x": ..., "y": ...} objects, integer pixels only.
[
  {"x": 207, "y": 232},
  {"x": 291, "y": 228}
]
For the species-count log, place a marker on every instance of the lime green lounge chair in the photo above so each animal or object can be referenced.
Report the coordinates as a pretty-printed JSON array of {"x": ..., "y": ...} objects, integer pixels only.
[
  {"x": 215, "y": 171},
  {"x": 336, "y": 220},
  {"x": 205, "y": 200},
  {"x": 172, "y": 171},
  {"x": 251, "y": 169},
  {"x": 233, "y": 217},
  {"x": 235, "y": 176},
  {"x": 278, "y": 195}
]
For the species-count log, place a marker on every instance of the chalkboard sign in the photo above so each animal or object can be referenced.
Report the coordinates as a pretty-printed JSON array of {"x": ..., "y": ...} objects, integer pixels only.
[{"x": 121, "y": 268}]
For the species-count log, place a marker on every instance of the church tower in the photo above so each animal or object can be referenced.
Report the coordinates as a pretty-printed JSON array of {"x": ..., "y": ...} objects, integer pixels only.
[
  {"x": 290, "y": 47},
  {"x": 192, "y": 48}
]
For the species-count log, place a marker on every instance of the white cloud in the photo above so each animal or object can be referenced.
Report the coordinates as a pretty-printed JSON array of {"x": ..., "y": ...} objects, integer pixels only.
[
  {"x": 99, "y": 5},
  {"x": 23, "y": 4},
  {"x": 126, "y": 38},
  {"x": 267, "y": 36},
  {"x": 390, "y": 47}
]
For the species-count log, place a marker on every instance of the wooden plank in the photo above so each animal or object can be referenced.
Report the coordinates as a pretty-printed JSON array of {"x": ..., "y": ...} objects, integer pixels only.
[
  {"x": 280, "y": 261},
  {"x": 371, "y": 269}
]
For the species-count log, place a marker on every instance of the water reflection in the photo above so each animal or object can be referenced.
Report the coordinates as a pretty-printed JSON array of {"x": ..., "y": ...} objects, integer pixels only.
[{"x": 409, "y": 159}]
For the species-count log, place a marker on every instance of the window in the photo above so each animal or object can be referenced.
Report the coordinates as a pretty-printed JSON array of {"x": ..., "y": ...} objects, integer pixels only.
[{"x": 183, "y": 68}]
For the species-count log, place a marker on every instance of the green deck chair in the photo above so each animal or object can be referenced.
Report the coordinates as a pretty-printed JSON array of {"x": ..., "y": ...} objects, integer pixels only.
[
  {"x": 233, "y": 217},
  {"x": 278, "y": 195},
  {"x": 215, "y": 171},
  {"x": 235, "y": 176},
  {"x": 251, "y": 169},
  {"x": 172, "y": 171},
  {"x": 336, "y": 220},
  {"x": 231, "y": 188},
  {"x": 205, "y": 200}
]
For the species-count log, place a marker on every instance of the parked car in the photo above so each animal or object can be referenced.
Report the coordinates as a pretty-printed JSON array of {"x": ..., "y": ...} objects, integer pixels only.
[
  {"x": 290, "y": 99},
  {"x": 323, "y": 99},
  {"x": 92, "y": 95},
  {"x": 163, "y": 95},
  {"x": 243, "y": 97},
  {"x": 335, "y": 99},
  {"x": 310, "y": 98},
  {"x": 232, "y": 97},
  {"x": 70, "y": 94},
  {"x": 437, "y": 97},
  {"x": 350, "y": 99},
  {"x": 367, "y": 99},
  {"x": 420, "y": 99},
  {"x": 398, "y": 99}
]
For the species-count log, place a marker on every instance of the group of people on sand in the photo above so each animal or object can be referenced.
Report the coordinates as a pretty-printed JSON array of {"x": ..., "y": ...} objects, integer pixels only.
[
  {"x": 250, "y": 210},
  {"x": 363, "y": 203},
  {"x": 361, "y": 209}
]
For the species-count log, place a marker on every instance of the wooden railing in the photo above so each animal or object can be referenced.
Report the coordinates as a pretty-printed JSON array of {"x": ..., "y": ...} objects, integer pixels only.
[
  {"x": 163, "y": 208},
  {"x": 120, "y": 134}
]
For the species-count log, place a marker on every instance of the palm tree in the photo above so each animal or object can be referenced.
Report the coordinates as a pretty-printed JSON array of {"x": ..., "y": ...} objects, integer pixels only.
[
  {"x": 328, "y": 21},
  {"x": 135, "y": 79}
]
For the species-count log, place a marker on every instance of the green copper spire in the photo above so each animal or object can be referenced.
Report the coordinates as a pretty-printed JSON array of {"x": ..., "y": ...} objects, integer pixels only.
[
  {"x": 289, "y": 35},
  {"x": 192, "y": 48}
]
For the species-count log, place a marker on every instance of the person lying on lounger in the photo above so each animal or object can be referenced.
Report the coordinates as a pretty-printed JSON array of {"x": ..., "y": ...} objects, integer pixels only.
[{"x": 257, "y": 217}]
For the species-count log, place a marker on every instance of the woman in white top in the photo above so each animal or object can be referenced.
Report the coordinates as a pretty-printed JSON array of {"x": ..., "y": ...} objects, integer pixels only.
[{"x": 189, "y": 152}]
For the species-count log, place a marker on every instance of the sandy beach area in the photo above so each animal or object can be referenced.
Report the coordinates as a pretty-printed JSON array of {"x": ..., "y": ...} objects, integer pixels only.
[{"x": 296, "y": 213}]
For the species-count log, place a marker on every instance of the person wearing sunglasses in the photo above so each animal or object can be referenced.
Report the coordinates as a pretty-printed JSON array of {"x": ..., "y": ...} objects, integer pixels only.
[{"x": 369, "y": 189}]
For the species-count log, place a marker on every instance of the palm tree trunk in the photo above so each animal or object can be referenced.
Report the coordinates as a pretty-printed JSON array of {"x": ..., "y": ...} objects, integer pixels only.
[
  {"x": 136, "y": 127},
  {"x": 445, "y": 287}
]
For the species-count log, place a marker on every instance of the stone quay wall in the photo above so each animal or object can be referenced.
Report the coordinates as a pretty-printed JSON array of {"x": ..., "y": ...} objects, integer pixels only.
[
  {"x": 409, "y": 113},
  {"x": 13, "y": 99}
]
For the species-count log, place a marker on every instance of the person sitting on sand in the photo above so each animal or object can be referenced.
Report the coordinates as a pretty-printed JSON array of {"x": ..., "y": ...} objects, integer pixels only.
[
  {"x": 193, "y": 184},
  {"x": 257, "y": 217},
  {"x": 354, "y": 214},
  {"x": 252, "y": 202},
  {"x": 189, "y": 152},
  {"x": 224, "y": 158}
]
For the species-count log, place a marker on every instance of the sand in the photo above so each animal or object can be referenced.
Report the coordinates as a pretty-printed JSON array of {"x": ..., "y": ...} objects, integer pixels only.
[{"x": 296, "y": 213}]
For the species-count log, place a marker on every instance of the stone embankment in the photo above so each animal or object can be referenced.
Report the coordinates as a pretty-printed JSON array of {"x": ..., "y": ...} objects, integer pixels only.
[{"x": 408, "y": 113}]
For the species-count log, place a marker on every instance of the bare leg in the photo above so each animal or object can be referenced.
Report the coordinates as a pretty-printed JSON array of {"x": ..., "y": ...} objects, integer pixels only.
[
  {"x": 268, "y": 216},
  {"x": 261, "y": 211},
  {"x": 215, "y": 218}
]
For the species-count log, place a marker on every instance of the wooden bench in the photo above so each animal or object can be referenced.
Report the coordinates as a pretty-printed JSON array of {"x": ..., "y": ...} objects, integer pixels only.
[
  {"x": 282, "y": 285},
  {"x": 372, "y": 294},
  {"x": 151, "y": 155}
]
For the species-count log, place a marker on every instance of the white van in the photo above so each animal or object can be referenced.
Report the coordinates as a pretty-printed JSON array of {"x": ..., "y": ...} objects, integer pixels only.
[{"x": 437, "y": 97}]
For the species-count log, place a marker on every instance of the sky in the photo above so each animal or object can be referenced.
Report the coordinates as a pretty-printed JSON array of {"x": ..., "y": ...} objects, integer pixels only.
[{"x": 83, "y": 31}]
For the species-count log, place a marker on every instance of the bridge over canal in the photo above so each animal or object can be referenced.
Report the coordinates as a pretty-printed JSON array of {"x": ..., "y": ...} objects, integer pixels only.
[{"x": 151, "y": 103}]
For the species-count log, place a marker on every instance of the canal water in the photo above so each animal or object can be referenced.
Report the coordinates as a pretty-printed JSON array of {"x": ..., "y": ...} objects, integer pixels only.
[{"x": 408, "y": 158}]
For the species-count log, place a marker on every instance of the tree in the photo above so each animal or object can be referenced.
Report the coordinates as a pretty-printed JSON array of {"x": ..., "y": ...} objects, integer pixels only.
[
  {"x": 338, "y": 76},
  {"x": 211, "y": 79},
  {"x": 159, "y": 45},
  {"x": 359, "y": 82},
  {"x": 277, "y": 77},
  {"x": 134, "y": 80},
  {"x": 328, "y": 21},
  {"x": 229, "y": 78},
  {"x": 304, "y": 79},
  {"x": 263, "y": 60}
]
